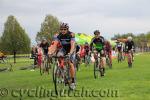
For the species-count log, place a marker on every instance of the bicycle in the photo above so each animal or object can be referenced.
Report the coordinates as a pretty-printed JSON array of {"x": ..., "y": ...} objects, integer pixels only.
[
  {"x": 6, "y": 63},
  {"x": 97, "y": 65},
  {"x": 45, "y": 67},
  {"x": 119, "y": 56},
  {"x": 108, "y": 62},
  {"x": 61, "y": 76},
  {"x": 77, "y": 62},
  {"x": 87, "y": 60}
]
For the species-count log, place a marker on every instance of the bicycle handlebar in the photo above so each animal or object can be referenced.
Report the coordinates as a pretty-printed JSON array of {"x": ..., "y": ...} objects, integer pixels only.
[{"x": 66, "y": 56}]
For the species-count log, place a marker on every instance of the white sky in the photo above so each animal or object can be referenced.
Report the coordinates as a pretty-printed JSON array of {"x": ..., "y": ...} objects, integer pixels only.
[{"x": 109, "y": 16}]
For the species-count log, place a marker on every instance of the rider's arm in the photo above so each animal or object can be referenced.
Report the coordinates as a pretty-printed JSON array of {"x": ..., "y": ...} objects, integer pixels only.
[
  {"x": 126, "y": 46},
  {"x": 72, "y": 43},
  {"x": 133, "y": 46},
  {"x": 91, "y": 44},
  {"x": 103, "y": 41},
  {"x": 79, "y": 49},
  {"x": 53, "y": 47}
]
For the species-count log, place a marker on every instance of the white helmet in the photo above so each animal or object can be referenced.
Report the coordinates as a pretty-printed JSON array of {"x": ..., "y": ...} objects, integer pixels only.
[{"x": 129, "y": 38}]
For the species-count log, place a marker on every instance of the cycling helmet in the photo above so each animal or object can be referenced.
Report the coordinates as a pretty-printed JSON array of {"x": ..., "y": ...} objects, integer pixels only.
[
  {"x": 129, "y": 38},
  {"x": 96, "y": 31},
  {"x": 44, "y": 40},
  {"x": 64, "y": 25},
  {"x": 86, "y": 42}
]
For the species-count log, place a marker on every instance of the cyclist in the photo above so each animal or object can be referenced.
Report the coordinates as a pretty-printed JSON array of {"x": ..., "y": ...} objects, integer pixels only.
[
  {"x": 108, "y": 50},
  {"x": 119, "y": 48},
  {"x": 129, "y": 46},
  {"x": 67, "y": 41},
  {"x": 82, "y": 53},
  {"x": 87, "y": 49},
  {"x": 78, "y": 48},
  {"x": 2, "y": 56},
  {"x": 34, "y": 52},
  {"x": 44, "y": 45},
  {"x": 39, "y": 55},
  {"x": 98, "y": 44}
]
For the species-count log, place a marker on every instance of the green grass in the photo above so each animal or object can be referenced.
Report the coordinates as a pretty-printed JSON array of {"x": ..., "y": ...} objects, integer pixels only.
[{"x": 130, "y": 83}]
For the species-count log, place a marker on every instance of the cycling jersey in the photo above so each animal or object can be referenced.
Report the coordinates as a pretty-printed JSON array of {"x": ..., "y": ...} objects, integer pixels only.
[
  {"x": 129, "y": 45},
  {"x": 77, "y": 48},
  {"x": 45, "y": 48},
  {"x": 87, "y": 49},
  {"x": 97, "y": 43},
  {"x": 119, "y": 46},
  {"x": 107, "y": 47},
  {"x": 65, "y": 40}
]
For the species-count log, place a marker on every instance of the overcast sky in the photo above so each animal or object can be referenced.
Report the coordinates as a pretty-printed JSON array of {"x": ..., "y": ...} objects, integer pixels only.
[{"x": 109, "y": 16}]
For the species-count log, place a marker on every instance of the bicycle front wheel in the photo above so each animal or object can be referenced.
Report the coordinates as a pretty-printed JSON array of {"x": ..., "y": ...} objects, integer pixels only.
[
  {"x": 59, "y": 81},
  {"x": 96, "y": 70}
]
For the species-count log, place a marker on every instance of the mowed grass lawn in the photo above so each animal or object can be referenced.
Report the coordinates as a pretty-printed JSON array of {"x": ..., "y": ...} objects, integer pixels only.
[{"x": 130, "y": 83}]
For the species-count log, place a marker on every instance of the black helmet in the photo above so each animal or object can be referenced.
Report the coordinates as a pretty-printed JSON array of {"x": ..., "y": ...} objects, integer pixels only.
[
  {"x": 96, "y": 31},
  {"x": 64, "y": 25},
  {"x": 86, "y": 42}
]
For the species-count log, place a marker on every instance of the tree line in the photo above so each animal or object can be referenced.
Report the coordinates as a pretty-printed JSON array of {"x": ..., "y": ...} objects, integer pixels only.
[
  {"x": 142, "y": 40},
  {"x": 14, "y": 38}
]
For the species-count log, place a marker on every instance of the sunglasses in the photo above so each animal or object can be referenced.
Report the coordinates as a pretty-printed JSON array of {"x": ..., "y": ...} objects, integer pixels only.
[
  {"x": 97, "y": 34},
  {"x": 63, "y": 29}
]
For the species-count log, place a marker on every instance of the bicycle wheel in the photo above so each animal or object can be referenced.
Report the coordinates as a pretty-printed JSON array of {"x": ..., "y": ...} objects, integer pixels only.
[
  {"x": 119, "y": 57},
  {"x": 41, "y": 70},
  {"x": 108, "y": 62},
  {"x": 77, "y": 65},
  {"x": 47, "y": 66},
  {"x": 77, "y": 62},
  {"x": 96, "y": 69},
  {"x": 86, "y": 61},
  {"x": 54, "y": 71},
  {"x": 6, "y": 64},
  {"x": 59, "y": 81}
]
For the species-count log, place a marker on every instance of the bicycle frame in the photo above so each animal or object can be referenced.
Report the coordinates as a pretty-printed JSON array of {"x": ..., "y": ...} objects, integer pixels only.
[
  {"x": 61, "y": 74},
  {"x": 119, "y": 56},
  {"x": 97, "y": 64}
]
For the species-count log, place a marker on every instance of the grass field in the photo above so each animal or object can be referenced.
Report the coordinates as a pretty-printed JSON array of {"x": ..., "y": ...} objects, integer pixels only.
[{"x": 128, "y": 83}]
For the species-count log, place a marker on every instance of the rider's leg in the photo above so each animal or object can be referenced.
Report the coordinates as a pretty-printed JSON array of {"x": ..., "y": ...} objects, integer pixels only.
[
  {"x": 132, "y": 55},
  {"x": 72, "y": 68},
  {"x": 110, "y": 57},
  {"x": 78, "y": 57},
  {"x": 72, "y": 71},
  {"x": 61, "y": 63},
  {"x": 103, "y": 61}
]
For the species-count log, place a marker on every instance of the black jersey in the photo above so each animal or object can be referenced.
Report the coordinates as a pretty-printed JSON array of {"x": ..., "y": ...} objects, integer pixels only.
[
  {"x": 129, "y": 45},
  {"x": 65, "y": 40}
]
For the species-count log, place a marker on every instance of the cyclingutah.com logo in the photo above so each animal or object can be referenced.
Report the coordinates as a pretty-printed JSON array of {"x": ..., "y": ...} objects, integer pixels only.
[{"x": 42, "y": 92}]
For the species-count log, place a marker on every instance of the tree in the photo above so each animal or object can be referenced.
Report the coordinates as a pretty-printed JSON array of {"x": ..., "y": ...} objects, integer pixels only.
[
  {"x": 148, "y": 39},
  {"x": 14, "y": 38},
  {"x": 48, "y": 28}
]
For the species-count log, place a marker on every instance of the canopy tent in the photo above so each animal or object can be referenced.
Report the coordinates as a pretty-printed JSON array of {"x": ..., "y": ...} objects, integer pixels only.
[
  {"x": 81, "y": 38},
  {"x": 112, "y": 42},
  {"x": 122, "y": 40}
]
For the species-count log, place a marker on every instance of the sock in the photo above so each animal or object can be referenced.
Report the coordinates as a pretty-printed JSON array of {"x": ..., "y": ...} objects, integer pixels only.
[{"x": 73, "y": 81}]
